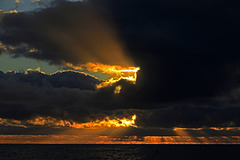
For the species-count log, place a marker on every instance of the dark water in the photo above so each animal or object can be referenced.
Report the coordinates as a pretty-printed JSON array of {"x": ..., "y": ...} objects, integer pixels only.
[{"x": 128, "y": 152}]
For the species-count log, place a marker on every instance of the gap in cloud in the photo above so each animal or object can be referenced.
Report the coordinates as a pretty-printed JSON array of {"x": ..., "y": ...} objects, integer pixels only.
[{"x": 21, "y": 64}]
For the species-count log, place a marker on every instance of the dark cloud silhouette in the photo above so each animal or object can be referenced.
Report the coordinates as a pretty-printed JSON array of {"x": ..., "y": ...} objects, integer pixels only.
[
  {"x": 25, "y": 96},
  {"x": 68, "y": 79},
  {"x": 185, "y": 50},
  {"x": 188, "y": 116},
  {"x": 67, "y": 95}
]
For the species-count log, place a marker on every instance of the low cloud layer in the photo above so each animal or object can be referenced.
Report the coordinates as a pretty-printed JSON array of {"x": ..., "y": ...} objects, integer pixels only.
[{"x": 25, "y": 96}]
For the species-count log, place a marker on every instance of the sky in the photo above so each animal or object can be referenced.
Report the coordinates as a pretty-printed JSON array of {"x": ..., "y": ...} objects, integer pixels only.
[{"x": 151, "y": 71}]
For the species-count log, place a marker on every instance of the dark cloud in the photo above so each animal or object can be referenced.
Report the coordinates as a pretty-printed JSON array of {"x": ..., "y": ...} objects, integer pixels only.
[
  {"x": 66, "y": 32},
  {"x": 25, "y": 96},
  {"x": 188, "y": 116},
  {"x": 67, "y": 95},
  {"x": 187, "y": 51},
  {"x": 68, "y": 79}
]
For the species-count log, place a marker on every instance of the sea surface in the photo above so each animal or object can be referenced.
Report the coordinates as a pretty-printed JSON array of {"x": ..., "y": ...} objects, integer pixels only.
[{"x": 108, "y": 152}]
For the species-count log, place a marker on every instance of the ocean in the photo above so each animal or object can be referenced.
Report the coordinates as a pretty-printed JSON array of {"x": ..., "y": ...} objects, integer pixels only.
[{"x": 117, "y": 152}]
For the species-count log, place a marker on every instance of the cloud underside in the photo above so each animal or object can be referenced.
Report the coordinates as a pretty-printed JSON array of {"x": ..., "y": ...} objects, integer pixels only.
[{"x": 187, "y": 53}]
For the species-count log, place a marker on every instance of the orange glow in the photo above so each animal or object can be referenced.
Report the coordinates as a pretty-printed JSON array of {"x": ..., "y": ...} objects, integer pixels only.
[
  {"x": 118, "y": 89},
  {"x": 8, "y": 12},
  {"x": 56, "y": 123},
  {"x": 11, "y": 122},
  {"x": 177, "y": 129},
  {"x": 108, "y": 123},
  {"x": 206, "y": 138},
  {"x": 186, "y": 129},
  {"x": 226, "y": 128},
  {"x": 117, "y": 72},
  {"x": 91, "y": 139}
]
